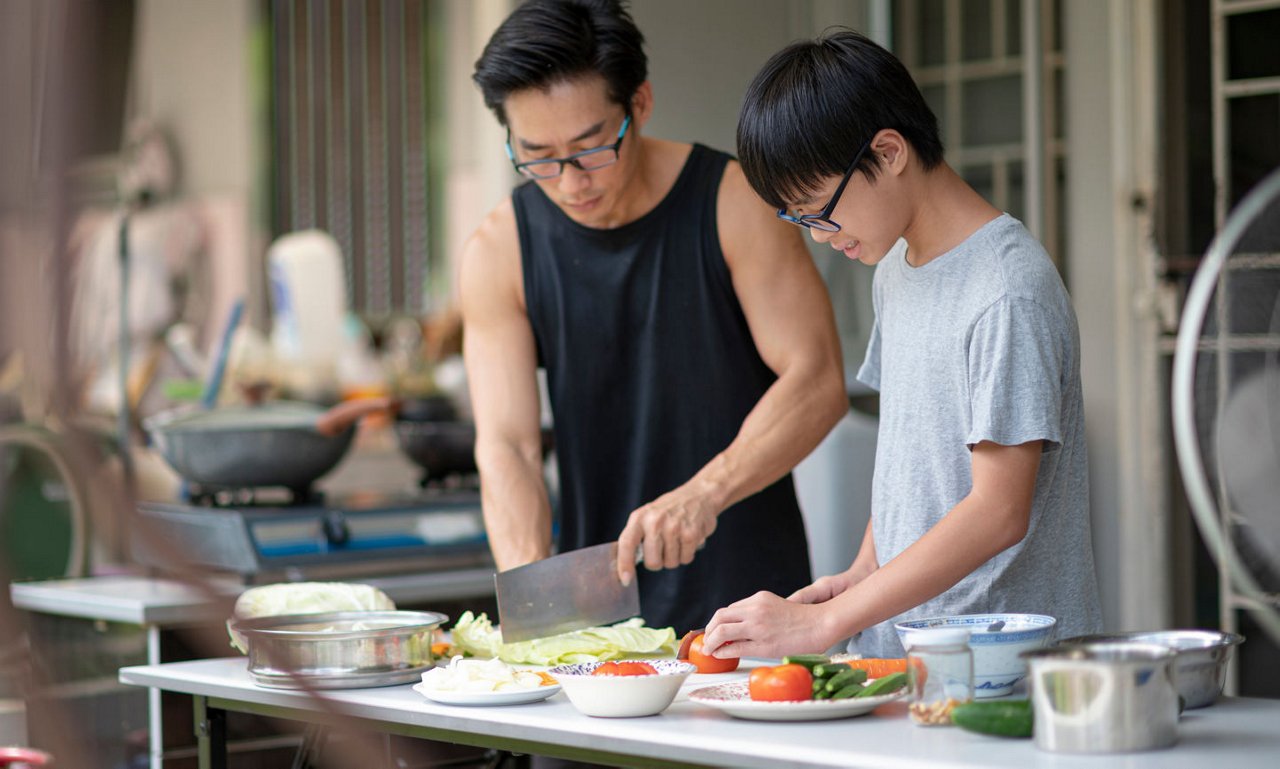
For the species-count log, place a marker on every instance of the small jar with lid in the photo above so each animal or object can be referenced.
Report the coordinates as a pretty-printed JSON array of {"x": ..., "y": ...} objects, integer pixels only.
[{"x": 939, "y": 674}]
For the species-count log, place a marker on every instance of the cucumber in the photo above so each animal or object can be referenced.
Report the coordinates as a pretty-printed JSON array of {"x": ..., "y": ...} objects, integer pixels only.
[
  {"x": 843, "y": 679},
  {"x": 845, "y": 692},
  {"x": 810, "y": 661},
  {"x": 884, "y": 685},
  {"x": 829, "y": 669},
  {"x": 1002, "y": 719}
]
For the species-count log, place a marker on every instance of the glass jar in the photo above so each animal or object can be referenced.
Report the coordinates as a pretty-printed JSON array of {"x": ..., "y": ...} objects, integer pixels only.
[{"x": 939, "y": 674}]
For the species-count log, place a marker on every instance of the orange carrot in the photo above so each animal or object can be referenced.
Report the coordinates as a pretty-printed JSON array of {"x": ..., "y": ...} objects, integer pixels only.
[{"x": 878, "y": 667}]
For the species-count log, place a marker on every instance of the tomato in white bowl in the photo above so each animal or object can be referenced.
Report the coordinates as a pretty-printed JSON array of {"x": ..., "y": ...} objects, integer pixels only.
[{"x": 622, "y": 695}]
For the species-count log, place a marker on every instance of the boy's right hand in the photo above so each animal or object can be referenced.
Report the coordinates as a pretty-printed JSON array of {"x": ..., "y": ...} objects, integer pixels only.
[{"x": 824, "y": 589}]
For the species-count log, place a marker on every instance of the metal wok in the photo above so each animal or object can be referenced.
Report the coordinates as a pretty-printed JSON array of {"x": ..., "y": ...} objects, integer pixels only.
[
  {"x": 430, "y": 434},
  {"x": 281, "y": 444}
]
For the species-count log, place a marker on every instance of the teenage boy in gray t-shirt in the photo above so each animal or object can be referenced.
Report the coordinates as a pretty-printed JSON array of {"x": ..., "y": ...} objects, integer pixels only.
[{"x": 980, "y": 497}]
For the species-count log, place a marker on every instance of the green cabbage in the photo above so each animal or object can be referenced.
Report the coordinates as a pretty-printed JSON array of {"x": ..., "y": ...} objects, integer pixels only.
[
  {"x": 477, "y": 636},
  {"x": 305, "y": 598}
]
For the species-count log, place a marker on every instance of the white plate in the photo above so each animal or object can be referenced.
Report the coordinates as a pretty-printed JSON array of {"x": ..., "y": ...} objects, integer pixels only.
[
  {"x": 508, "y": 697},
  {"x": 734, "y": 700}
]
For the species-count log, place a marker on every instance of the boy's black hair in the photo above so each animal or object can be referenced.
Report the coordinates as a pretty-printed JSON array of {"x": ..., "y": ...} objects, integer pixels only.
[
  {"x": 816, "y": 102},
  {"x": 544, "y": 42}
]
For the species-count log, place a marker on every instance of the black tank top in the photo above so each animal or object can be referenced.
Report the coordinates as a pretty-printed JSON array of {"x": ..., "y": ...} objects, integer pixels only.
[{"x": 651, "y": 370}]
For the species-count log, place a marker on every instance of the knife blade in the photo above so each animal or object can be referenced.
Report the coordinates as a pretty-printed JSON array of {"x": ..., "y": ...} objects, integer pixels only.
[{"x": 566, "y": 592}]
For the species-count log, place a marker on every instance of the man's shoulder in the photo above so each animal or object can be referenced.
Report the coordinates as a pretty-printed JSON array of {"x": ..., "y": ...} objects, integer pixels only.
[
  {"x": 495, "y": 242},
  {"x": 497, "y": 229}
]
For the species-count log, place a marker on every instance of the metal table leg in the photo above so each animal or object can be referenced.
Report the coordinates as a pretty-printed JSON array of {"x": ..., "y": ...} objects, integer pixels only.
[
  {"x": 155, "y": 720},
  {"x": 211, "y": 734},
  {"x": 308, "y": 755}
]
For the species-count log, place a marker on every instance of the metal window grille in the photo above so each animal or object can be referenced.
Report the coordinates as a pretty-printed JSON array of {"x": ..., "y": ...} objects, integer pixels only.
[
  {"x": 1246, "y": 145},
  {"x": 970, "y": 60},
  {"x": 349, "y": 140}
]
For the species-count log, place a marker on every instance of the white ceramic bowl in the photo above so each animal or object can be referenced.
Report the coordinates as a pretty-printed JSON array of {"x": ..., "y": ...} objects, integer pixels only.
[
  {"x": 996, "y": 665},
  {"x": 622, "y": 696}
]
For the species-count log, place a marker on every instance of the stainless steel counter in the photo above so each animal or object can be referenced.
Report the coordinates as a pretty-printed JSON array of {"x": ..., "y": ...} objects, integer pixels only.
[
  {"x": 167, "y": 603},
  {"x": 1240, "y": 733}
]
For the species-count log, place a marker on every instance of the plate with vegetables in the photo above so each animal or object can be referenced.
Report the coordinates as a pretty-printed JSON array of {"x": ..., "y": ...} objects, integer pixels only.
[
  {"x": 485, "y": 682},
  {"x": 808, "y": 687}
]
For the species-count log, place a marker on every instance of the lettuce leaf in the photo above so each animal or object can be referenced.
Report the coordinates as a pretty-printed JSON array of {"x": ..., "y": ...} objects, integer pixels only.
[{"x": 477, "y": 636}]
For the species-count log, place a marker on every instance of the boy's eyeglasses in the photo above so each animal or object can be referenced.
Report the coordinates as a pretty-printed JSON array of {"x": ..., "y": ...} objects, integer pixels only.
[
  {"x": 822, "y": 219},
  {"x": 588, "y": 160}
]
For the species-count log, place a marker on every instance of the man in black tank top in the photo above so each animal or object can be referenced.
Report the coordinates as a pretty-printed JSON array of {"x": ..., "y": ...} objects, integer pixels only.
[{"x": 688, "y": 341}]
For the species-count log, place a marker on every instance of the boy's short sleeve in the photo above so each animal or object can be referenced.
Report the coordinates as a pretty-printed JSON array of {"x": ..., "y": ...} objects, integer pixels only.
[
  {"x": 869, "y": 371},
  {"x": 1016, "y": 360}
]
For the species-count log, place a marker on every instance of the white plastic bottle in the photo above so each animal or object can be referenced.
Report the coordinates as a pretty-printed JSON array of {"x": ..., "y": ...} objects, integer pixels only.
[{"x": 308, "y": 305}]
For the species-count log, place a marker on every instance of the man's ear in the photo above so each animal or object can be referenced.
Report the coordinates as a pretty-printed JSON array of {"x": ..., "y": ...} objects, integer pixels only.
[
  {"x": 642, "y": 104},
  {"x": 893, "y": 150}
]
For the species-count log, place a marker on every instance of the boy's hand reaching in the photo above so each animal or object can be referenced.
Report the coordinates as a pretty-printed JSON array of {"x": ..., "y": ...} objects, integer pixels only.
[
  {"x": 824, "y": 589},
  {"x": 766, "y": 625}
]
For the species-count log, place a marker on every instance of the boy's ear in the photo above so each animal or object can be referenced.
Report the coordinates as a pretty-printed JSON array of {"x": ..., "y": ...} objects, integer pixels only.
[
  {"x": 894, "y": 150},
  {"x": 642, "y": 104}
]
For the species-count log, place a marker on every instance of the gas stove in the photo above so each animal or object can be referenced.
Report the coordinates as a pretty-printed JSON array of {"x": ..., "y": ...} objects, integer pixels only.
[{"x": 323, "y": 537}]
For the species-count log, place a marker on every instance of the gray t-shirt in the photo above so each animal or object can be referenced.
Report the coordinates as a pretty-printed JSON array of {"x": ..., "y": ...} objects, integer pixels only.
[{"x": 981, "y": 344}]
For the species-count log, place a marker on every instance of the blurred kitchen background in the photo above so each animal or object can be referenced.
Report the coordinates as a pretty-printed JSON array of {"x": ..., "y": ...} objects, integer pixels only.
[{"x": 311, "y": 168}]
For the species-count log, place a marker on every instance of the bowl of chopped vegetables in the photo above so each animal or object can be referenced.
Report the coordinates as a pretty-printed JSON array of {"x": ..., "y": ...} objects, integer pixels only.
[{"x": 622, "y": 688}]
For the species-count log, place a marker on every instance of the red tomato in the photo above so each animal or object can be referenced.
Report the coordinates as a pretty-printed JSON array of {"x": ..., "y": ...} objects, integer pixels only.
[
  {"x": 705, "y": 662},
  {"x": 783, "y": 683},
  {"x": 606, "y": 669},
  {"x": 636, "y": 669},
  {"x": 624, "y": 669}
]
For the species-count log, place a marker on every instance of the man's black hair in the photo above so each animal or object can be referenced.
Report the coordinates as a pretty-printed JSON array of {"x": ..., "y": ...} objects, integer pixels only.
[
  {"x": 816, "y": 102},
  {"x": 545, "y": 42}
]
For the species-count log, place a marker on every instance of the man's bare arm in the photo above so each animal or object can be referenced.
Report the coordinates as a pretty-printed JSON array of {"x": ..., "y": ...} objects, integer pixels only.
[
  {"x": 789, "y": 313},
  {"x": 501, "y": 363}
]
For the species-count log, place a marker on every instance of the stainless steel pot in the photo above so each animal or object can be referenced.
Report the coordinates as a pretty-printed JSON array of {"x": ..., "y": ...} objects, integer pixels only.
[
  {"x": 339, "y": 650},
  {"x": 1200, "y": 668},
  {"x": 1103, "y": 697}
]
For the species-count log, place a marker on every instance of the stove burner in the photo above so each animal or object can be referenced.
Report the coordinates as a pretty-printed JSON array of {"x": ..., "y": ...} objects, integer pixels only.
[
  {"x": 250, "y": 496},
  {"x": 345, "y": 536}
]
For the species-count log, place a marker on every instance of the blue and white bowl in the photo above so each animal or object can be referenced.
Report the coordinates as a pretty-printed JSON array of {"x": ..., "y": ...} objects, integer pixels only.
[
  {"x": 996, "y": 664},
  {"x": 622, "y": 696}
]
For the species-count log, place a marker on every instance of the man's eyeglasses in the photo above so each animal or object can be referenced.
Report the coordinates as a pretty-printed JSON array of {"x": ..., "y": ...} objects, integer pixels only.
[
  {"x": 587, "y": 160},
  {"x": 822, "y": 219}
]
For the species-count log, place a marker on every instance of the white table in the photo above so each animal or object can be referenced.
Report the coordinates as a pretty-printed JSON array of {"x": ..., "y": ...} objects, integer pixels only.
[
  {"x": 1237, "y": 733},
  {"x": 162, "y": 604}
]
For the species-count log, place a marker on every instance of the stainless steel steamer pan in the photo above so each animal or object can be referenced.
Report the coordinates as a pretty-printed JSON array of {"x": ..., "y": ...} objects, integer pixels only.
[{"x": 339, "y": 650}]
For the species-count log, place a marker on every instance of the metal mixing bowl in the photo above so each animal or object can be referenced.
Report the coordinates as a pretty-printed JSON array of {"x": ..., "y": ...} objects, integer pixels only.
[
  {"x": 1201, "y": 664},
  {"x": 339, "y": 650}
]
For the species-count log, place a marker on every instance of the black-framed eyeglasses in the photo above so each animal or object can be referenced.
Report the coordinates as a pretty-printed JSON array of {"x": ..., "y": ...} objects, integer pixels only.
[
  {"x": 588, "y": 160},
  {"x": 822, "y": 219}
]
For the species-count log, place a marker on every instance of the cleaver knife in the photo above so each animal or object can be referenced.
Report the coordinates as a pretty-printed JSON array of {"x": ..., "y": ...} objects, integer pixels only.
[{"x": 565, "y": 592}]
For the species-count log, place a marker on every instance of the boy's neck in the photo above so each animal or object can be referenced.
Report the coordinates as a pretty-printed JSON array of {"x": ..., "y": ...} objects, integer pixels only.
[{"x": 946, "y": 212}]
